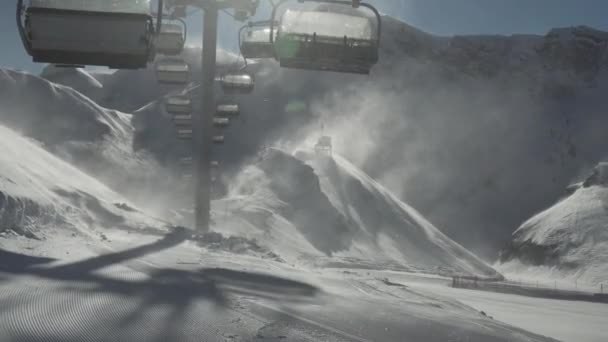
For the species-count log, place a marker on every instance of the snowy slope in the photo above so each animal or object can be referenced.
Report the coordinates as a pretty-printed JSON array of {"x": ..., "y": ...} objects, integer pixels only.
[
  {"x": 75, "y": 128},
  {"x": 39, "y": 190},
  {"x": 326, "y": 212},
  {"x": 567, "y": 241}
]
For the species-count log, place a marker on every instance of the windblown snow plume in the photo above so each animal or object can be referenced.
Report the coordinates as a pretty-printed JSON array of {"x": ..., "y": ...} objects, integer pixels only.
[
  {"x": 324, "y": 211},
  {"x": 39, "y": 190}
]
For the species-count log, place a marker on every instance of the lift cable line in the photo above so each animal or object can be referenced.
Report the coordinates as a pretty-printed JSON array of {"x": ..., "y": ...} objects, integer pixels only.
[{"x": 127, "y": 35}]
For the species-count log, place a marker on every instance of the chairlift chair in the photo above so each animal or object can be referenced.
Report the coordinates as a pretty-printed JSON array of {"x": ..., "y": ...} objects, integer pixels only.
[
  {"x": 255, "y": 40},
  {"x": 324, "y": 145},
  {"x": 242, "y": 83},
  {"x": 178, "y": 104},
  {"x": 88, "y": 32},
  {"x": 183, "y": 120},
  {"x": 328, "y": 41},
  {"x": 171, "y": 39},
  {"x": 218, "y": 139},
  {"x": 215, "y": 164},
  {"x": 228, "y": 110},
  {"x": 172, "y": 71},
  {"x": 221, "y": 122},
  {"x": 185, "y": 133},
  {"x": 187, "y": 161}
]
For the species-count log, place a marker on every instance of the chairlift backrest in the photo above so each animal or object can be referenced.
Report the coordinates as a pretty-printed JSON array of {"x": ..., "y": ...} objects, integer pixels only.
[
  {"x": 185, "y": 133},
  {"x": 182, "y": 120},
  {"x": 178, "y": 105},
  {"x": 328, "y": 40},
  {"x": 238, "y": 82},
  {"x": 171, "y": 39},
  {"x": 228, "y": 110},
  {"x": 325, "y": 24},
  {"x": 172, "y": 71},
  {"x": 186, "y": 161},
  {"x": 325, "y": 141},
  {"x": 115, "y": 40},
  {"x": 221, "y": 122},
  {"x": 255, "y": 41},
  {"x": 118, "y": 34},
  {"x": 121, "y": 6}
]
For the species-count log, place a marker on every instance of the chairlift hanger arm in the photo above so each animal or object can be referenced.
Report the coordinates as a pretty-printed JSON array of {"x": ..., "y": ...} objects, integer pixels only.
[
  {"x": 159, "y": 18},
  {"x": 353, "y": 3},
  {"x": 21, "y": 29}
]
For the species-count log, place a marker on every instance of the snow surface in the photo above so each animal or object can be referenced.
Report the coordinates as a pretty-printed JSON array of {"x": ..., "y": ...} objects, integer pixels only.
[
  {"x": 98, "y": 140},
  {"x": 563, "y": 320},
  {"x": 323, "y": 211},
  {"x": 567, "y": 241},
  {"x": 58, "y": 193}
]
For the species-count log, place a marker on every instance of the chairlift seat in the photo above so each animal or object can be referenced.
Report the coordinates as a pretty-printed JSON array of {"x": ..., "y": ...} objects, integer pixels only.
[
  {"x": 178, "y": 105},
  {"x": 218, "y": 139},
  {"x": 183, "y": 120},
  {"x": 228, "y": 110},
  {"x": 326, "y": 41},
  {"x": 185, "y": 133},
  {"x": 170, "y": 41},
  {"x": 255, "y": 42},
  {"x": 172, "y": 71},
  {"x": 221, "y": 122},
  {"x": 238, "y": 83},
  {"x": 188, "y": 161},
  {"x": 79, "y": 37},
  {"x": 325, "y": 140}
]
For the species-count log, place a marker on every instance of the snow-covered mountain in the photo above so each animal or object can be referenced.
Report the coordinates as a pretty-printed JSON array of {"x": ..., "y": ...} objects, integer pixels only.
[
  {"x": 456, "y": 126},
  {"x": 476, "y": 132},
  {"x": 74, "y": 127},
  {"x": 76, "y": 78},
  {"x": 323, "y": 211},
  {"x": 568, "y": 240},
  {"x": 369, "y": 226}
]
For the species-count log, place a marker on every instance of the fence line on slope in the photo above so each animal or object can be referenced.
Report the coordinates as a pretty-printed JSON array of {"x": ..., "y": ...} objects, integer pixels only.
[{"x": 555, "y": 289}]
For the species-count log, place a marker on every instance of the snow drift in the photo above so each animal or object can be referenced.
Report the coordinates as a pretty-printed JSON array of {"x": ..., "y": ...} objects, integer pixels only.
[
  {"x": 323, "y": 211},
  {"x": 568, "y": 240}
]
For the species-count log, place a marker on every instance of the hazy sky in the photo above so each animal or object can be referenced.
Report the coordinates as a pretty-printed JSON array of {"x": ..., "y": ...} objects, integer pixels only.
[{"x": 443, "y": 17}]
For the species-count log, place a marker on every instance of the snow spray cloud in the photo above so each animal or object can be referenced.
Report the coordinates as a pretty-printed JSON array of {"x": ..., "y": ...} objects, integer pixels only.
[
  {"x": 477, "y": 155},
  {"x": 476, "y": 144}
]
